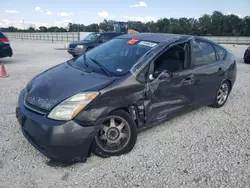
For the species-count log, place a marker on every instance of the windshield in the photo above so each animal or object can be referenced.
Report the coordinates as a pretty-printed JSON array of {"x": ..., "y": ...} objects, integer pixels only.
[
  {"x": 91, "y": 37},
  {"x": 116, "y": 56}
]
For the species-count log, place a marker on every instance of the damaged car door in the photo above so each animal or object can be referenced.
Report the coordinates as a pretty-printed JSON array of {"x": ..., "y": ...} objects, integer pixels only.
[{"x": 170, "y": 88}]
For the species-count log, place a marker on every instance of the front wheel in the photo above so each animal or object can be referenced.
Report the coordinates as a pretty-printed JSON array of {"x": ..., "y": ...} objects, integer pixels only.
[
  {"x": 222, "y": 95},
  {"x": 246, "y": 61},
  {"x": 118, "y": 135}
]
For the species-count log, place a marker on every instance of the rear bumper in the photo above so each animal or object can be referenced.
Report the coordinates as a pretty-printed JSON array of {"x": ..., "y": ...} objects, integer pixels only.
[
  {"x": 5, "y": 51},
  {"x": 59, "y": 141}
]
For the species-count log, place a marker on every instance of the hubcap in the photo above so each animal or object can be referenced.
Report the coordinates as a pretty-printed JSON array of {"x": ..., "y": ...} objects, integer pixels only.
[
  {"x": 222, "y": 94},
  {"x": 115, "y": 134},
  {"x": 112, "y": 133}
]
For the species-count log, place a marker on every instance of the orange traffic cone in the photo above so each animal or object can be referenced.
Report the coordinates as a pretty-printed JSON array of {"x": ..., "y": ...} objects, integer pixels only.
[{"x": 3, "y": 73}]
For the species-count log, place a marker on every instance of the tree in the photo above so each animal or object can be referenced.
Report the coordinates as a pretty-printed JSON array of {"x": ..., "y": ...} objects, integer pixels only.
[
  {"x": 245, "y": 26},
  {"x": 43, "y": 29},
  {"x": 216, "y": 24},
  {"x": 31, "y": 29},
  {"x": 205, "y": 25}
]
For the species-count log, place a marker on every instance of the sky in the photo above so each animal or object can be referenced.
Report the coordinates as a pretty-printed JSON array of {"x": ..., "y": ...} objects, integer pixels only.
[{"x": 26, "y": 13}]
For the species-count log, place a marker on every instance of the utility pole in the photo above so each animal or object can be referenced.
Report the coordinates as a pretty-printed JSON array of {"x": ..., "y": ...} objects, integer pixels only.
[{"x": 23, "y": 24}]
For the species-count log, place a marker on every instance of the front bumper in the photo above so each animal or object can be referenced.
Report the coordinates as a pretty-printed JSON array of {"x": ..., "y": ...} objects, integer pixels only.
[
  {"x": 76, "y": 51},
  {"x": 247, "y": 58},
  {"x": 59, "y": 141},
  {"x": 6, "y": 51}
]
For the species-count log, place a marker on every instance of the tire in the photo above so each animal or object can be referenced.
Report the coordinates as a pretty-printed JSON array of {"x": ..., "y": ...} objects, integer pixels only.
[
  {"x": 223, "y": 91},
  {"x": 102, "y": 147},
  {"x": 246, "y": 62}
]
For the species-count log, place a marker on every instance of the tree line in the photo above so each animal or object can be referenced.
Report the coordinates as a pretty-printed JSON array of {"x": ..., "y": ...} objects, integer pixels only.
[{"x": 216, "y": 24}]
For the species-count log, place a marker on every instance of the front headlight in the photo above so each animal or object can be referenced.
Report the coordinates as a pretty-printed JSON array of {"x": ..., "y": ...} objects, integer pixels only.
[
  {"x": 69, "y": 108},
  {"x": 80, "y": 46}
]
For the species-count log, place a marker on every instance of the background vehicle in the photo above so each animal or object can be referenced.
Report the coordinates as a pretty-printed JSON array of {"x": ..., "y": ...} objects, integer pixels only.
[
  {"x": 247, "y": 55},
  {"x": 123, "y": 27},
  {"x": 130, "y": 83},
  {"x": 5, "y": 49},
  {"x": 91, "y": 41}
]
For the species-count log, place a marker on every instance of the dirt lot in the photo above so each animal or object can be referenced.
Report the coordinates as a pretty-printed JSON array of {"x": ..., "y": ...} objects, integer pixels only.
[{"x": 205, "y": 148}]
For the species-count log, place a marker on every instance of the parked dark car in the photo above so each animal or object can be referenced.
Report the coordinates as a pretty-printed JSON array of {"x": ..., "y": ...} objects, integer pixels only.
[
  {"x": 247, "y": 55},
  {"x": 90, "y": 41},
  {"x": 101, "y": 100},
  {"x": 5, "y": 49}
]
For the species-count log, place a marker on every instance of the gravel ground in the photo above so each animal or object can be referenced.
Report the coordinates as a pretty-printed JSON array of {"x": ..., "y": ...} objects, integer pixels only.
[{"x": 204, "y": 148}]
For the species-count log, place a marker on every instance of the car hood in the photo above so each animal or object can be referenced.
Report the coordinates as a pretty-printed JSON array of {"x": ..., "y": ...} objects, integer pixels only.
[
  {"x": 81, "y": 42},
  {"x": 61, "y": 82}
]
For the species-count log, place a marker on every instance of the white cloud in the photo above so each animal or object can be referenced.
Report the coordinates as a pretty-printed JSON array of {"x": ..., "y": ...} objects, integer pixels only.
[
  {"x": 19, "y": 23},
  {"x": 141, "y": 4},
  {"x": 140, "y": 18},
  {"x": 81, "y": 13},
  {"x": 103, "y": 14},
  {"x": 62, "y": 23},
  {"x": 12, "y": 11},
  {"x": 48, "y": 12},
  {"x": 8, "y": 23},
  {"x": 65, "y": 14},
  {"x": 38, "y": 9}
]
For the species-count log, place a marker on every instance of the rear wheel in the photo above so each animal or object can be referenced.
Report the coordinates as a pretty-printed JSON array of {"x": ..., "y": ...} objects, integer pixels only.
[
  {"x": 118, "y": 135},
  {"x": 222, "y": 95}
]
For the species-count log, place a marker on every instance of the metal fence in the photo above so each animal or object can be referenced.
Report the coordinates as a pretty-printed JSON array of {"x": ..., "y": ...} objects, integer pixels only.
[
  {"x": 76, "y": 36},
  {"x": 229, "y": 40},
  {"x": 52, "y": 37}
]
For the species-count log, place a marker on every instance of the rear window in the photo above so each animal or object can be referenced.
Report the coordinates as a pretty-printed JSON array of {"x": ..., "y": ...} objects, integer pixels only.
[
  {"x": 221, "y": 52},
  {"x": 202, "y": 53},
  {"x": 117, "y": 55}
]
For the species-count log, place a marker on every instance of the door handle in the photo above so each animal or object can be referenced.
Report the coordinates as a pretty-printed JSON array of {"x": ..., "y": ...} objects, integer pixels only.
[{"x": 188, "y": 81}]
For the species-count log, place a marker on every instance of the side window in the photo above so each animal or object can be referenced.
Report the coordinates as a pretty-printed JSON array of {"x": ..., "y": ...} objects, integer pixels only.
[
  {"x": 173, "y": 60},
  {"x": 202, "y": 53},
  {"x": 105, "y": 38},
  {"x": 220, "y": 51}
]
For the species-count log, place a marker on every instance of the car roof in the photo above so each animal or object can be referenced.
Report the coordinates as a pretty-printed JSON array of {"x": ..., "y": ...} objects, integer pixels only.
[
  {"x": 110, "y": 33},
  {"x": 154, "y": 37},
  {"x": 163, "y": 37}
]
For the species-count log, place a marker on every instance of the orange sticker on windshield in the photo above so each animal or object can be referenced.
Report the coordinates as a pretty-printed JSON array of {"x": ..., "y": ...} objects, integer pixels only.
[{"x": 132, "y": 41}]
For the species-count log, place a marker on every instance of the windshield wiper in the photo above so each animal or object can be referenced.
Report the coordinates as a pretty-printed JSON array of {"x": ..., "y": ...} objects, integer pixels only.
[{"x": 101, "y": 66}]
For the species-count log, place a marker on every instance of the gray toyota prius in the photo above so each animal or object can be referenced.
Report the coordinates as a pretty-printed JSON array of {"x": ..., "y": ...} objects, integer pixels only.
[{"x": 99, "y": 101}]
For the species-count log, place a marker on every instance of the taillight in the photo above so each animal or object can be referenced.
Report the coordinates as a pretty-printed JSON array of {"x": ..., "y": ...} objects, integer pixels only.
[{"x": 4, "y": 40}]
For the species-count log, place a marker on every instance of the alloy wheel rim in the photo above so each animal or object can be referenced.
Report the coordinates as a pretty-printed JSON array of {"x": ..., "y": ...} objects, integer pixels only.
[
  {"x": 222, "y": 94},
  {"x": 114, "y": 135}
]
